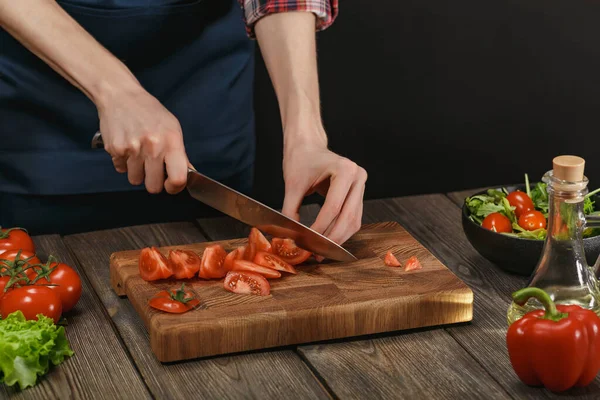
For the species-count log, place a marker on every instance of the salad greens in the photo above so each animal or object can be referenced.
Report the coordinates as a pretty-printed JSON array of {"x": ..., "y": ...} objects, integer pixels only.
[
  {"x": 28, "y": 348},
  {"x": 480, "y": 206}
]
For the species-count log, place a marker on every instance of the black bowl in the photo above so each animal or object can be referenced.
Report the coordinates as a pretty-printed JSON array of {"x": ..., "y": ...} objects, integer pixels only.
[{"x": 514, "y": 254}]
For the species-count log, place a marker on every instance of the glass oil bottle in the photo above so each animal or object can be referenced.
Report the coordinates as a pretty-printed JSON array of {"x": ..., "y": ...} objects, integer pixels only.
[{"x": 562, "y": 270}]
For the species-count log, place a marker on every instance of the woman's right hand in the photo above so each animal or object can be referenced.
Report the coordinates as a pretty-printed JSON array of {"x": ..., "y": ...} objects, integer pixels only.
[{"x": 142, "y": 136}]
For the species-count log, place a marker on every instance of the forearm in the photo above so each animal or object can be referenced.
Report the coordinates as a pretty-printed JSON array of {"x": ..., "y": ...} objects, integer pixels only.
[
  {"x": 44, "y": 28},
  {"x": 288, "y": 45}
]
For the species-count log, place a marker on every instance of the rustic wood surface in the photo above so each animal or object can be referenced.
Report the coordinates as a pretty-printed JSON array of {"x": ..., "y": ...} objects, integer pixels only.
[
  {"x": 459, "y": 361},
  {"x": 267, "y": 374},
  {"x": 321, "y": 302},
  {"x": 101, "y": 367}
]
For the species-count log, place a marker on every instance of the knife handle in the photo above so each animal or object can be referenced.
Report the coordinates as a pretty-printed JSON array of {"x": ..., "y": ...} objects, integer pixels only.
[{"x": 97, "y": 142}]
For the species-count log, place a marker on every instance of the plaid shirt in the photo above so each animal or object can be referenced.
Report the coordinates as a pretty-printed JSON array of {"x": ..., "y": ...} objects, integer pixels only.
[{"x": 325, "y": 10}]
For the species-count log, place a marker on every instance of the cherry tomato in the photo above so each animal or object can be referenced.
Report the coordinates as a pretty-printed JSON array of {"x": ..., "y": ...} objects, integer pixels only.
[
  {"x": 8, "y": 259},
  {"x": 412, "y": 264},
  {"x": 246, "y": 283},
  {"x": 520, "y": 201},
  {"x": 243, "y": 265},
  {"x": 532, "y": 220},
  {"x": 154, "y": 265},
  {"x": 15, "y": 239},
  {"x": 497, "y": 222},
  {"x": 212, "y": 264},
  {"x": 65, "y": 282},
  {"x": 391, "y": 260},
  {"x": 3, "y": 282},
  {"x": 287, "y": 250},
  {"x": 269, "y": 260},
  {"x": 259, "y": 240},
  {"x": 236, "y": 254},
  {"x": 176, "y": 302},
  {"x": 185, "y": 263},
  {"x": 32, "y": 300}
]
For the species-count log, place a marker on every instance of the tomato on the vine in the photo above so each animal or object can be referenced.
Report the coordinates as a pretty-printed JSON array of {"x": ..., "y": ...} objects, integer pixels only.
[
  {"x": 23, "y": 259},
  {"x": 15, "y": 239},
  {"x": 497, "y": 222},
  {"x": 31, "y": 301},
  {"x": 64, "y": 280},
  {"x": 532, "y": 220},
  {"x": 521, "y": 201}
]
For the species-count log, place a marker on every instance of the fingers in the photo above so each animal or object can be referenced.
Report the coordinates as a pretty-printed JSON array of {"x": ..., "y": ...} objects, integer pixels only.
[
  {"x": 294, "y": 194},
  {"x": 349, "y": 221},
  {"x": 135, "y": 170},
  {"x": 120, "y": 164},
  {"x": 155, "y": 174},
  {"x": 177, "y": 166},
  {"x": 341, "y": 181}
]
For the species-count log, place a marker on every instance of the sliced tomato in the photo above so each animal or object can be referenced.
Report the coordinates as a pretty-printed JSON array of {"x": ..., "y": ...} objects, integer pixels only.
[
  {"x": 154, "y": 265},
  {"x": 391, "y": 260},
  {"x": 259, "y": 240},
  {"x": 176, "y": 302},
  {"x": 246, "y": 283},
  {"x": 412, "y": 264},
  {"x": 185, "y": 263},
  {"x": 244, "y": 265},
  {"x": 213, "y": 260},
  {"x": 249, "y": 252},
  {"x": 287, "y": 250},
  {"x": 236, "y": 254},
  {"x": 269, "y": 260}
]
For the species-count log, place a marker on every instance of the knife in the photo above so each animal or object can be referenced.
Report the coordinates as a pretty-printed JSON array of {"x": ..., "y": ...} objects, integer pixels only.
[{"x": 253, "y": 213}]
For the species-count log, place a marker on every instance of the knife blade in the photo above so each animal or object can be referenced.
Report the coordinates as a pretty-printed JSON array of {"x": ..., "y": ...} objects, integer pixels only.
[{"x": 264, "y": 218}]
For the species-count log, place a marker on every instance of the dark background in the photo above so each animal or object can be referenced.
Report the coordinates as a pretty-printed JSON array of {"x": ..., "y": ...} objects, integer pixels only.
[{"x": 435, "y": 96}]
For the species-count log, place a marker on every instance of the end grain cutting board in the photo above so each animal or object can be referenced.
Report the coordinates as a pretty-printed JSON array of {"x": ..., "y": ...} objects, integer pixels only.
[{"x": 324, "y": 301}]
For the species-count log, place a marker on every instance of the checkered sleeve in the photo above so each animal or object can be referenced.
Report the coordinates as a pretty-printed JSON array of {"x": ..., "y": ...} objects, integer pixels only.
[{"x": 325, "y": 11}]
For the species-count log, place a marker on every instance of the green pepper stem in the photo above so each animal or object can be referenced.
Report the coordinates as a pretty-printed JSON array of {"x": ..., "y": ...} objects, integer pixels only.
[{"x": 521, "y": 296}]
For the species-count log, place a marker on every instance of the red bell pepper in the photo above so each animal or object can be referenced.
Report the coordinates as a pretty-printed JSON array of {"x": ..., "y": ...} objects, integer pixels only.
[{"x": 558, "y": 347}]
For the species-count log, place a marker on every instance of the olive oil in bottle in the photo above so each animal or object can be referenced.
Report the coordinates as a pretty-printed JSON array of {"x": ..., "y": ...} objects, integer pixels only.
[{"x": 562, "y": 270}]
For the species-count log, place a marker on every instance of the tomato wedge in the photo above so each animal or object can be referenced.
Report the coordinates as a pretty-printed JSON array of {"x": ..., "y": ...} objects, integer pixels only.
[
  {"x": 154, "y": 265},
  {"x": 246, "y": 283},
  {"x": 185, "y": 263},
  {"x": 391, "y": 260},
  {"x": 412, "y": 264},
  {"x": 244, "y": 265},
  {"x": 269, "y": 260},
  {"x": 249, "y": 252},
  {"x": 287, "y": 250},
  {"x": 213, "y": 260},
  {"x": 236, "y": 254},
  {"x": 176, "y": 302},
  {"x": 259, "y": 240}
]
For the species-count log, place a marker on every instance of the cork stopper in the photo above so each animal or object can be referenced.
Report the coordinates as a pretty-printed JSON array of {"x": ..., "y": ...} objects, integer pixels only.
[{"x": 568, "y": 168}]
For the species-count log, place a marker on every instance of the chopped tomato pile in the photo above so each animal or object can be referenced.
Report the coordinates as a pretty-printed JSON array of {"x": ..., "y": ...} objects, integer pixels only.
[
  {"x": 411, "y": 264},
  {"x": 245, "y": 269},
  {"x": 30, "y": 286}
]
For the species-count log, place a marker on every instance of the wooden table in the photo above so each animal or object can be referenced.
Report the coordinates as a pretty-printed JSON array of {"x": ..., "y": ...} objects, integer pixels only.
[{"x": 113, "y": 359}]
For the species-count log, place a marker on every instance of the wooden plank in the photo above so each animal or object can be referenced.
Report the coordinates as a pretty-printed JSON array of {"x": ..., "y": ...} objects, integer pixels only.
[
  {"x": 437, "y": 225},
  {"x": 101, "y": 367},
  {"x": 321, "y": 302},
  {"x": 259, "y": 375},
  {"x": 402, "y": 365}
]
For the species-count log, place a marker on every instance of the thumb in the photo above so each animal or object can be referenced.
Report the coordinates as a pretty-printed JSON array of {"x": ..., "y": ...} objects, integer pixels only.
[{"x": 292, "y": 201}]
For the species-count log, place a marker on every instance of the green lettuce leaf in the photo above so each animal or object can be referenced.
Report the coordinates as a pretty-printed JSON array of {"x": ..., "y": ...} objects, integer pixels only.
[{"x": 28, "y": 348}]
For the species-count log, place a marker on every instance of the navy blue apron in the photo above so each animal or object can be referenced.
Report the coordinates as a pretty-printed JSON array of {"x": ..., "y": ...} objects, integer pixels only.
[{"x": 192, "y": 55}]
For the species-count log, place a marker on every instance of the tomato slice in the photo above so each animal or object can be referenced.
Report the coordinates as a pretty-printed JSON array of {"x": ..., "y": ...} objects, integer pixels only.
[
  {"x": 269, "y": 260},
  {"x": 287, "y": 250},
  {"x": 412, "y": 264},
  {"x": 154, "y": 265},
  {"x": 249, "y": 252},
  {"x": 185, "y": 263},
  {"x": 213, "y": 260},
  {"x": 236, "y": 254},
  {"x": 176, "y": 302},
  {"x": 247, "y": 283},
  {"x": 259, "y": 240},
  {"x": 244, "y": 265},
  {"x": 391, "y": 260}
]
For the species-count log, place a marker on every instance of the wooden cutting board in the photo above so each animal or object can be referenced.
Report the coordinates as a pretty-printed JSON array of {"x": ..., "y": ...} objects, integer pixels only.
[{"x": 323, "y": 301}]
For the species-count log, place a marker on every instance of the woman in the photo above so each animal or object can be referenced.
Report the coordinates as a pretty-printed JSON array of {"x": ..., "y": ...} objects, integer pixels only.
[{"x": 169, "y": 84}]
